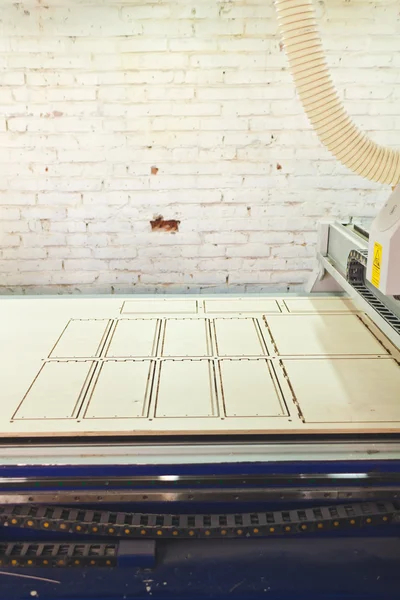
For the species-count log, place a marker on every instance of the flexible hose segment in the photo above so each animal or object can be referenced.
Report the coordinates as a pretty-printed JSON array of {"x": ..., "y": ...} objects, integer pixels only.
[{"x": 302, "y": 42}]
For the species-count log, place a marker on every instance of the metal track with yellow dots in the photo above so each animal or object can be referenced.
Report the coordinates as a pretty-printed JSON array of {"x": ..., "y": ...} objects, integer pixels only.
[{"x": 139, "y": 525}]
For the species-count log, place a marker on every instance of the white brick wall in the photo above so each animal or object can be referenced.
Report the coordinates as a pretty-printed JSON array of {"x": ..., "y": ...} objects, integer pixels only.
[{"x": 94, "y": 93}]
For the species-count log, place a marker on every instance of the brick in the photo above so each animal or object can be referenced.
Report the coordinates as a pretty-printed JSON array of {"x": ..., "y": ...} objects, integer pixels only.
[
  {"x": 58, "y": 198},
  {"x": 62, "y": 252},
  {"x": 11, "y": 227},
  {"x": 9, "y": 240},
  {"x": 249, "y": 250},
  {"x": 91, "y": 264},
  {"x": 226, "y": 238},
  {"x": 43, "y": 239},
  {"x": 68, "y": 227},
  {"x": 24, "y": 253},
  {"x": 12, "y": 78}
]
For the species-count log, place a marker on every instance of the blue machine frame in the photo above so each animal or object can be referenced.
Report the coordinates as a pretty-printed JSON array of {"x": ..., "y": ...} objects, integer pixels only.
[{"x": 356, "y": 565}]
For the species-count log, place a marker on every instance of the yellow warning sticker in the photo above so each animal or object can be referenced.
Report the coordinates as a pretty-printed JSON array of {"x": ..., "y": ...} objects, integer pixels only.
[{"x": 376, "y": 265}]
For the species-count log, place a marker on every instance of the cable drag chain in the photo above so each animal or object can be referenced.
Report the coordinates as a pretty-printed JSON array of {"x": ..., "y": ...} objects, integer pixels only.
[
  {"x": 44, "y": 555},
  {"x": 140, "y": 525},
  {"x": 355, "y": 275}
]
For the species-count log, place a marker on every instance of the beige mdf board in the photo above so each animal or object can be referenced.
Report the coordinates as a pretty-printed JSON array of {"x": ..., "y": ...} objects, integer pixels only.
[
  {"x": 159, "y": 307},
  {"x": 238, "y": 337},
  {"x": 242, "y": 305},
  {"x": 89, "y": 393},
  {"x": 121, "y": 390},
  {"x": 319, "y": 305},
  {"x": 57, "y": 391},
  {"x": 81, "y": 338},
  {"x": 250, "y": 389},
  {"x": 318, "y": 335},
  {"x": 346, "y": 390},
  {"x": 134, "y": 337},
  {"x": 186, "y": 388},
  {"x": 186, "y": 337}
]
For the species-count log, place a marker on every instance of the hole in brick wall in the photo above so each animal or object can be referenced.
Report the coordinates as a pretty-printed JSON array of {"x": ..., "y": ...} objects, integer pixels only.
[
  {"x": 278, "y": 167},
  {"x": 154, "y": 170},
  {"x": 161, "y": 224}
]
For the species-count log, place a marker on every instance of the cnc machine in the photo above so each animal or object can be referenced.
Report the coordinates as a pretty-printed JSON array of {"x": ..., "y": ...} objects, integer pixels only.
[{"x": 215, "y": 446}]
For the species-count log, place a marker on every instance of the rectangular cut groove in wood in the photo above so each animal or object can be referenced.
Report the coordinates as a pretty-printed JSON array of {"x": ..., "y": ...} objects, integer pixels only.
[
  {"x": 319, "y": 305},
  {"x": 186, "y": 389},
  {"x": 242, "y": 305},
  {"x": 57, "y": 391},
  {"x": 250, "y": 389},
  {"x": 337, "y": 390},
  {"x": 239, "y": 337},
  {"x": 186, "y": 337},
  {"x": 308, "y": 335},
  {"x": 134, "y": 337},
  {"x": 159, "y": 307},
  {"x": 121, "y": 390},
  {"x": 82, "y": 338}
]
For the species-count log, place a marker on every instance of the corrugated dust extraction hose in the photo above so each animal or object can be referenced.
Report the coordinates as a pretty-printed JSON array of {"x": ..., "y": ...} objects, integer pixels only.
[{"x": 302, "y": 42}]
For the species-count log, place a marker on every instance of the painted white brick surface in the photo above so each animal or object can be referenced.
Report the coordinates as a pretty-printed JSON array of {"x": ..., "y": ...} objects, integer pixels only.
[{"x": 114, "y": 112}]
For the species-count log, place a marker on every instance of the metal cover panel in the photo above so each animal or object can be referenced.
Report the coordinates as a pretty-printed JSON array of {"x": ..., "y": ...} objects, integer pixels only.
[
  {"x": 165, "y": 306},
  {"x": 56, "y": 392},
  {"x": 186, "y": 337},
  {"x": 81, "y": 338},
  {"x": 250, "y": 389},
  {"x": 241, "y": 305},
  {"x": 121, "y": 390},
  {"x": 238, "y": 337},
  {"x": 300, "y": 335},
  {"x": 134, "y": 337},
  {"x": 323, "y": 305},
  {"x": 346, "y": 390},
  {"x": 186, "y": 388}
]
